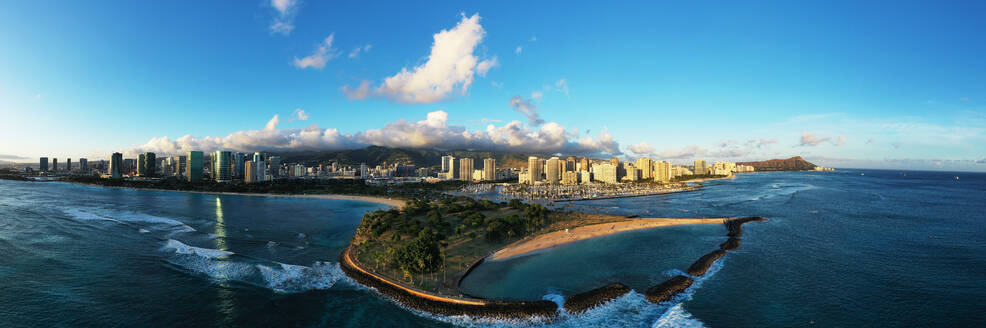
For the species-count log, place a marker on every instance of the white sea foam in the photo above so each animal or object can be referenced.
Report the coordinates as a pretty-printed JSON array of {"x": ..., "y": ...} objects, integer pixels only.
[
  {"x": 288, "y": 278},
  {"x": 630, "y": 310},
  {"x": 181, "y": 248},
  {"x": 280, "y": 277},
  {"x": 96, "y": 214},
  {"x": 86, "y": 216},
  {"x": 676, "y": 316},
  {"x": 142, "y": 230}
]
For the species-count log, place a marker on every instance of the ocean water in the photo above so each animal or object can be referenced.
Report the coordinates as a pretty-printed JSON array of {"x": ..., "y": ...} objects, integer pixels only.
[{"x": 888, "y": 248}]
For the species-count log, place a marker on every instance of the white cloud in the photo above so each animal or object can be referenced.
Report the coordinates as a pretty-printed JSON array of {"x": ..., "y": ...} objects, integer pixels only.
[
  {"x": 766, "y": 142},
  {"x": 810, "y": 139},
  {"x": 272, "y": 124},
  {"x": 284, "y": 21},
  {"x": 495, "y": 84},
  {"x": 688, "y": 152},
  {"x": 322, "y": 54},
  {"x": 519, "y": 50},
  {"x": 355, "y": 52},
  {"x": 451, "y": 68},
  {"x": 642, "y": 148},
  {"x": 841, "y": 141},
  {"x": 299, "y": 115},
  {"x": 432, "y": 132},
  {"x": 361, "y": 92},
  {"x": 560, "y": 86},
  {"x": 537, "y": 95},
  {"x": 964, "y": 99},
  {"x": 527, "y": 107}
]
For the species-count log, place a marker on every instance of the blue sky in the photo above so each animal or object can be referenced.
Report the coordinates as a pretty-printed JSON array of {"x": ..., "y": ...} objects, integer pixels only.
[{"x": 845, "y": 84}]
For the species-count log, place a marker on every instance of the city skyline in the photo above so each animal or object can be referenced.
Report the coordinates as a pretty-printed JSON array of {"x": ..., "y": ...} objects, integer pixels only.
[{"x": 901, "y": 89}]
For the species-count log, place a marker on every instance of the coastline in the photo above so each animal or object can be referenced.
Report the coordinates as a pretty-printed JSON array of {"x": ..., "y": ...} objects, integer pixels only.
[
  {"x": 393, "y": 202},
  {"x": 556, "y": 238}
]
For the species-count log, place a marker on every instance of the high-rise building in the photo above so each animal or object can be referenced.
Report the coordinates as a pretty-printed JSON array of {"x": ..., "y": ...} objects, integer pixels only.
[
  {"x": 223, "y": 166},
  {"x": 584, "y": 163},
  {"x": 68, "y": 165},
  {"x": 662, "y": 171},
  {"x": 151, "y": 165},
  {"x": 552, "y": 174},
  {"x": 614, "y": 161},
  {"x": 260, "y": 165},
  {"x": 646, "y": 167},
  {"x": 701, "y": 168},
  {"x": 193, "y": 166},
  {"x": 364, "y": 172},
  {"x": 275, "y": 166},
  {"x": 54, "y": 165},
  {"x": 604, "y": 173},
  {"x": 43, "y": 166},
  {"x": 84, "y": 165},
  {"x": 534, "y": 168},
  {"x": 182, "y": 163},
  {"x": 116, "y": 166},
  {"x": 569, "y": 178},
  {"x": 489, "y": 169},
  {"x": 570, "y": 163},
  {"x": 465, "y": 169},
  {"x": 238, "y": 165},
  {"x": 448, "y": 161},
  {"x": 141, "y": 165},
  {"x": 249, "y": 172}
]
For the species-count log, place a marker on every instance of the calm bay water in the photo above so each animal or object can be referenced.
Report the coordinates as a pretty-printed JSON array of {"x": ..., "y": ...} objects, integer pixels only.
[{"x": 886, "y": 248}]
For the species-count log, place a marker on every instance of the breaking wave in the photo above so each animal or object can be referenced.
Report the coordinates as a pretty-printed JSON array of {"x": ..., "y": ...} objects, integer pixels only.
[
  {"x": 224, "y": 266},
  {"x": 127, "y": 217},
  {"x": 630, "y": 310}
]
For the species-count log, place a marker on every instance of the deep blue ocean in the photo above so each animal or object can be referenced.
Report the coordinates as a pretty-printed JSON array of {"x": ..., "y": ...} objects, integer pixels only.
[{"x": 841, "y": 249}]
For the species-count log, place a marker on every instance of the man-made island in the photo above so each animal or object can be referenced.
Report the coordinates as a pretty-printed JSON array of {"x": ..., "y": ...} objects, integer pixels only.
[{"x": 419, "y": 254}]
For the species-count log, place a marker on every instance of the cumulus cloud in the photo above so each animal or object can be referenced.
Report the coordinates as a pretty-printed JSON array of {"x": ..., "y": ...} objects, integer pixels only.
[
  {"x": 432, "y": 132},
  {"x": 450, "y": 69},
  {"x": 322, "y": 54},
  {"x": 688, "y": 152},
  {"x": 642, "y": 148},
  {"x": 355, "y": 52},
  {"x": 519, "y": 50},
  {"x": 810, "y": 139},
  {"x": 526, "y": 107},
  {"x": 299, "y": 115},
  {"x": 284, "y": 20},
  {"x": 841, "y": 141},
  {"x": 766, "y": 142}
]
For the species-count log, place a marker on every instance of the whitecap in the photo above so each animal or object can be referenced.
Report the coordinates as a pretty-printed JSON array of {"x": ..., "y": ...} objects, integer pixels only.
[
  {"x": 181, "y": 248},
  {"x": 142, "y": 230},
  {"x": 676, "y": 316},
  {"x": 289, "y": 278}
]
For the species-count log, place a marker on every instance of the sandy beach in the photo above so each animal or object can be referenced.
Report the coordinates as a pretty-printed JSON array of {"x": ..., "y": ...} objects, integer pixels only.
[{"x": 556, "y": 238}]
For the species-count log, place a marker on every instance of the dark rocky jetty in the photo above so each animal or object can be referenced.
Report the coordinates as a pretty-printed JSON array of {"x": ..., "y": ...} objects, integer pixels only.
[
  {"x": 581, "y": 302},
  {"x": 731, "y": 244},
  {"x": 491, "y": 309},
  {"x": 703, "y": 263},
  {"x": 735, "y": 226},
  {"x": 668, "y": 289}
]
